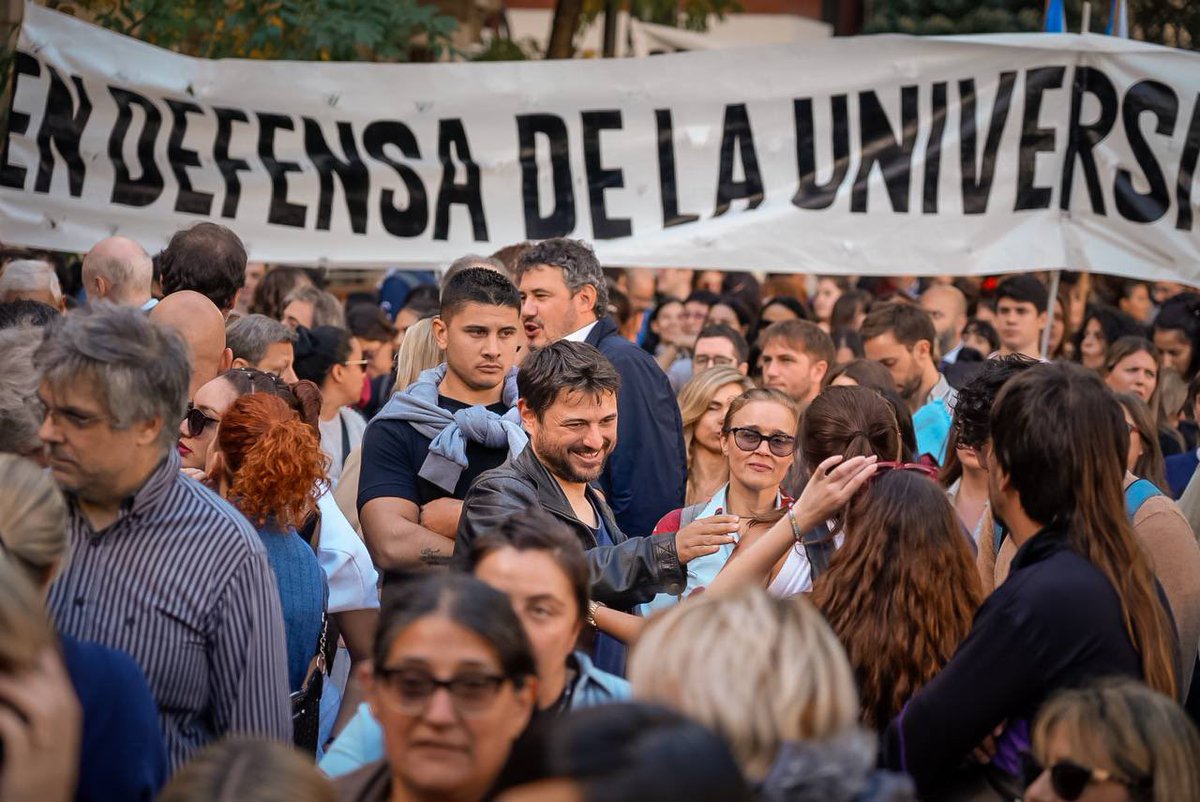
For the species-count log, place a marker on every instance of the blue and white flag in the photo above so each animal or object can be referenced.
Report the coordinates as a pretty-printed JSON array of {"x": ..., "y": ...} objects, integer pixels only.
[
  {"x": 1056, "y": 17},
  {"x": 1118, "y": 19}
]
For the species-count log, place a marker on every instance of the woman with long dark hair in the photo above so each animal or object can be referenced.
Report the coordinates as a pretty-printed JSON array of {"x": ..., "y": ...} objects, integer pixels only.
[
  {"x": 901, "y": 593},
  {"x": 1177, "y": 333}
]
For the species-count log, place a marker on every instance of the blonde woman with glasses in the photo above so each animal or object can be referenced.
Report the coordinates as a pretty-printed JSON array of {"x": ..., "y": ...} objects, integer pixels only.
[
  {"x": 1118, "y": 741},
  {"x": 703, "y": 402}
]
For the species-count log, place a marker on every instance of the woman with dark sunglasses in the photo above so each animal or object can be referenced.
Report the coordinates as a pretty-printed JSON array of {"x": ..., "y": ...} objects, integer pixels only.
[
  {"x": 453, "y": 685},
  {"x": 1118, "y": 741},
  {"x": 758, "y": 439}
]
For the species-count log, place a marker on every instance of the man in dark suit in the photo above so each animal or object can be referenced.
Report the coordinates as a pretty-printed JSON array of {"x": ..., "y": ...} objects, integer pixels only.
[
  {"x": 1180, "y": 468},
  {"x": 564, "y": 297}
]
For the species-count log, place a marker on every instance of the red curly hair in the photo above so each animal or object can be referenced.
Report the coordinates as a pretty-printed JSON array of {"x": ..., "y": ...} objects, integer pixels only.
[
  {"x": 902, "y": 592},
  {"x": 272, "y": 460}
]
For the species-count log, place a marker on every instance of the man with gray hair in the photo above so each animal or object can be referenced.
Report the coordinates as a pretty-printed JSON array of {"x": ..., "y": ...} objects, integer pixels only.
[
  {"x": 474, "y": 260},
  {"x": 31, "y": 280},
  {"x": 159, "y": 566},
  {"x": 119, "y": 270},
  {"x": 259, "y": 342},
  {"x": 564, "y": 297}
]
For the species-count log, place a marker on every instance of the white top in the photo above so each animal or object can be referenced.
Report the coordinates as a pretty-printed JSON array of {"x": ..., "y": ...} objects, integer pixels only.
[
  {"x": 581, "y": 335},
  {"x": 796, "y": 575},
  {"x": 331, "y": 439},
  {"x": 352, "y": 578}
]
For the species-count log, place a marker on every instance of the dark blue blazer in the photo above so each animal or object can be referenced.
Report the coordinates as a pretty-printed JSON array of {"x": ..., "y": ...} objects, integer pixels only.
[
  {"x": 1180, "y": 468},
  {"x": 646, "y": 476}
]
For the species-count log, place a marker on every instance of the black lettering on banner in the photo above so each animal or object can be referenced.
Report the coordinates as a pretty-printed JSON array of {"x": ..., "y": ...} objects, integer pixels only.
[
  {"x": 189, "y": 201},
  {"x": 933, "y": 150},
  {"x": 62, "y": 126},
  {"x": 12, "y": 175},
  {"x": 146, "y": 188},
  {"x": 601, "y": 178},
  {"x": 735, "y": 133},
  {"x": 1034, "y": 139},
  {"x": 229, "y": 166},
  {"x": 811, "y": 194},
  {"x": 1187, "y": 171},
  {"x": 667, "y": 184},
  {"x": 452, "y": 136},
  {"x": 281, "y": 212},
  {"x": 352, "y": 173},
  {"x": 1082, "y": 139},
  {"x": 880, "y": 146},
  {"x": 977, "y": 183},
  {"x": 408, "y": 221},
  {"x": 1158, "y": 99},
  {"x": 561, "y": 220}
]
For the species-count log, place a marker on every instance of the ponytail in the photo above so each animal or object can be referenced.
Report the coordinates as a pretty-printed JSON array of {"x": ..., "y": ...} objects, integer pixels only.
[{"x": 273, "y": 460}]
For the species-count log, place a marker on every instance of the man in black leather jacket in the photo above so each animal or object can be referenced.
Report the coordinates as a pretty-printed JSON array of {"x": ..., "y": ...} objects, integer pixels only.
[{"x": 568, "y": 403}]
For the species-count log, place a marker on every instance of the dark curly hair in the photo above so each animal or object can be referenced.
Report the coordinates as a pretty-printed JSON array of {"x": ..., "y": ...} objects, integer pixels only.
[{"x": 973, "y": 409}]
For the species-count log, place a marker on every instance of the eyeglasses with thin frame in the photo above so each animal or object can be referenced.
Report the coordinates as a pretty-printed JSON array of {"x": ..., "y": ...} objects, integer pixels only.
[
  {"x": 410, "y": 690},
  {"x": 362, "y": 363},
  {"x": 1070, "y": 779},
  {"x": 706, "y": 361},
  {"x": 197, "y": 421},
  {"x": 781, "y": 445},
  {"x": 72, "y": 418}
]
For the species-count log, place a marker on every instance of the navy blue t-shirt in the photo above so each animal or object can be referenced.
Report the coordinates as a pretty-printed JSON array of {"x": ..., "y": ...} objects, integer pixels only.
[
  {"x": 608, "y": 653},
  {"x": 393, "y": 453}
]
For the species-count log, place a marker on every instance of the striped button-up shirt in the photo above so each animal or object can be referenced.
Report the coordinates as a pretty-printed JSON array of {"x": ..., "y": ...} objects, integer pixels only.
[{"x": 181, "y": 582}]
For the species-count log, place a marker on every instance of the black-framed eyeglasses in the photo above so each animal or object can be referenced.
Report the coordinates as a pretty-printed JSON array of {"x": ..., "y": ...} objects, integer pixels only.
[
  {"x": 1070, "y": 779},
  {"x": 411, "y": 690},
  {"x": 197, "y": 421},
  {"x": 781, "y": 445}
]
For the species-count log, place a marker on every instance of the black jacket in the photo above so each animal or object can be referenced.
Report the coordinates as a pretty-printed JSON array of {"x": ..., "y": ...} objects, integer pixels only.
[
  {"x": 631, "y": 572},
  {"x": 646, "y": 475},
  {"x": 1055, "y": 623}
]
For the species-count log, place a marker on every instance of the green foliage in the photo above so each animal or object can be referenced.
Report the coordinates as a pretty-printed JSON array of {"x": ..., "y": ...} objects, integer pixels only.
[
  {"x": 690, "y": 14},
  {"x": 502, "y": 49},
  {"x": 1170, "y": 22},
  {"x": 305, "y": 30}
]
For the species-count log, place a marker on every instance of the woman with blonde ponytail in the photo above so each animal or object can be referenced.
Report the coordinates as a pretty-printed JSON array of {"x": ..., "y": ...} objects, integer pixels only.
[{"x": 268, "y": 463}]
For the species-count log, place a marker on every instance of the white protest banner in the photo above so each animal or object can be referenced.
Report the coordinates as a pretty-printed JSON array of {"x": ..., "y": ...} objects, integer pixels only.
[{"x": 868, "y": 155}]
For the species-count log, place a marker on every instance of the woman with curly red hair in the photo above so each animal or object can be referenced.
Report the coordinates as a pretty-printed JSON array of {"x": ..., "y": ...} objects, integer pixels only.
[
  {"x": 269, "y": 464},
  {"x": 902, "y": 592}
]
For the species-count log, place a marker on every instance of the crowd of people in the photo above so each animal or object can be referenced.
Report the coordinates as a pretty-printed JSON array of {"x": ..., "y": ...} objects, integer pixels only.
[{"x": 534, "y": 530}]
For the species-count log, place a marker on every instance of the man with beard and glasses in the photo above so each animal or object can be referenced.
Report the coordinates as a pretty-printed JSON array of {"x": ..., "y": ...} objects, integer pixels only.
[
  {"x": 901, "y": 337},
  {"x": 428, "y": 444},
  {"x": 568, "y": 404}
]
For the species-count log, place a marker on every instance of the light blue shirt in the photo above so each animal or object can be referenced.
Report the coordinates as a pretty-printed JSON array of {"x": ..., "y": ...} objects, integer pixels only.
[
  {"x": 932, "y": 421},
  {"x": 361, "y": 742}
]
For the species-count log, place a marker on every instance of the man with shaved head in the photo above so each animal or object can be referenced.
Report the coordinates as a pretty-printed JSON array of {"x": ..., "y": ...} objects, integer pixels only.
[
  {"x": 119, "y": 270},
  {"x": 202, "y": 326},
  {"x": 947, "y": 308}
]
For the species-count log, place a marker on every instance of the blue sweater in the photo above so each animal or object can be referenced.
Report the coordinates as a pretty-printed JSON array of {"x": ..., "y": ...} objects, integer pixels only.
[
  {"x": 122, "y": 757},
  {"x": 302, "y": 594}
]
